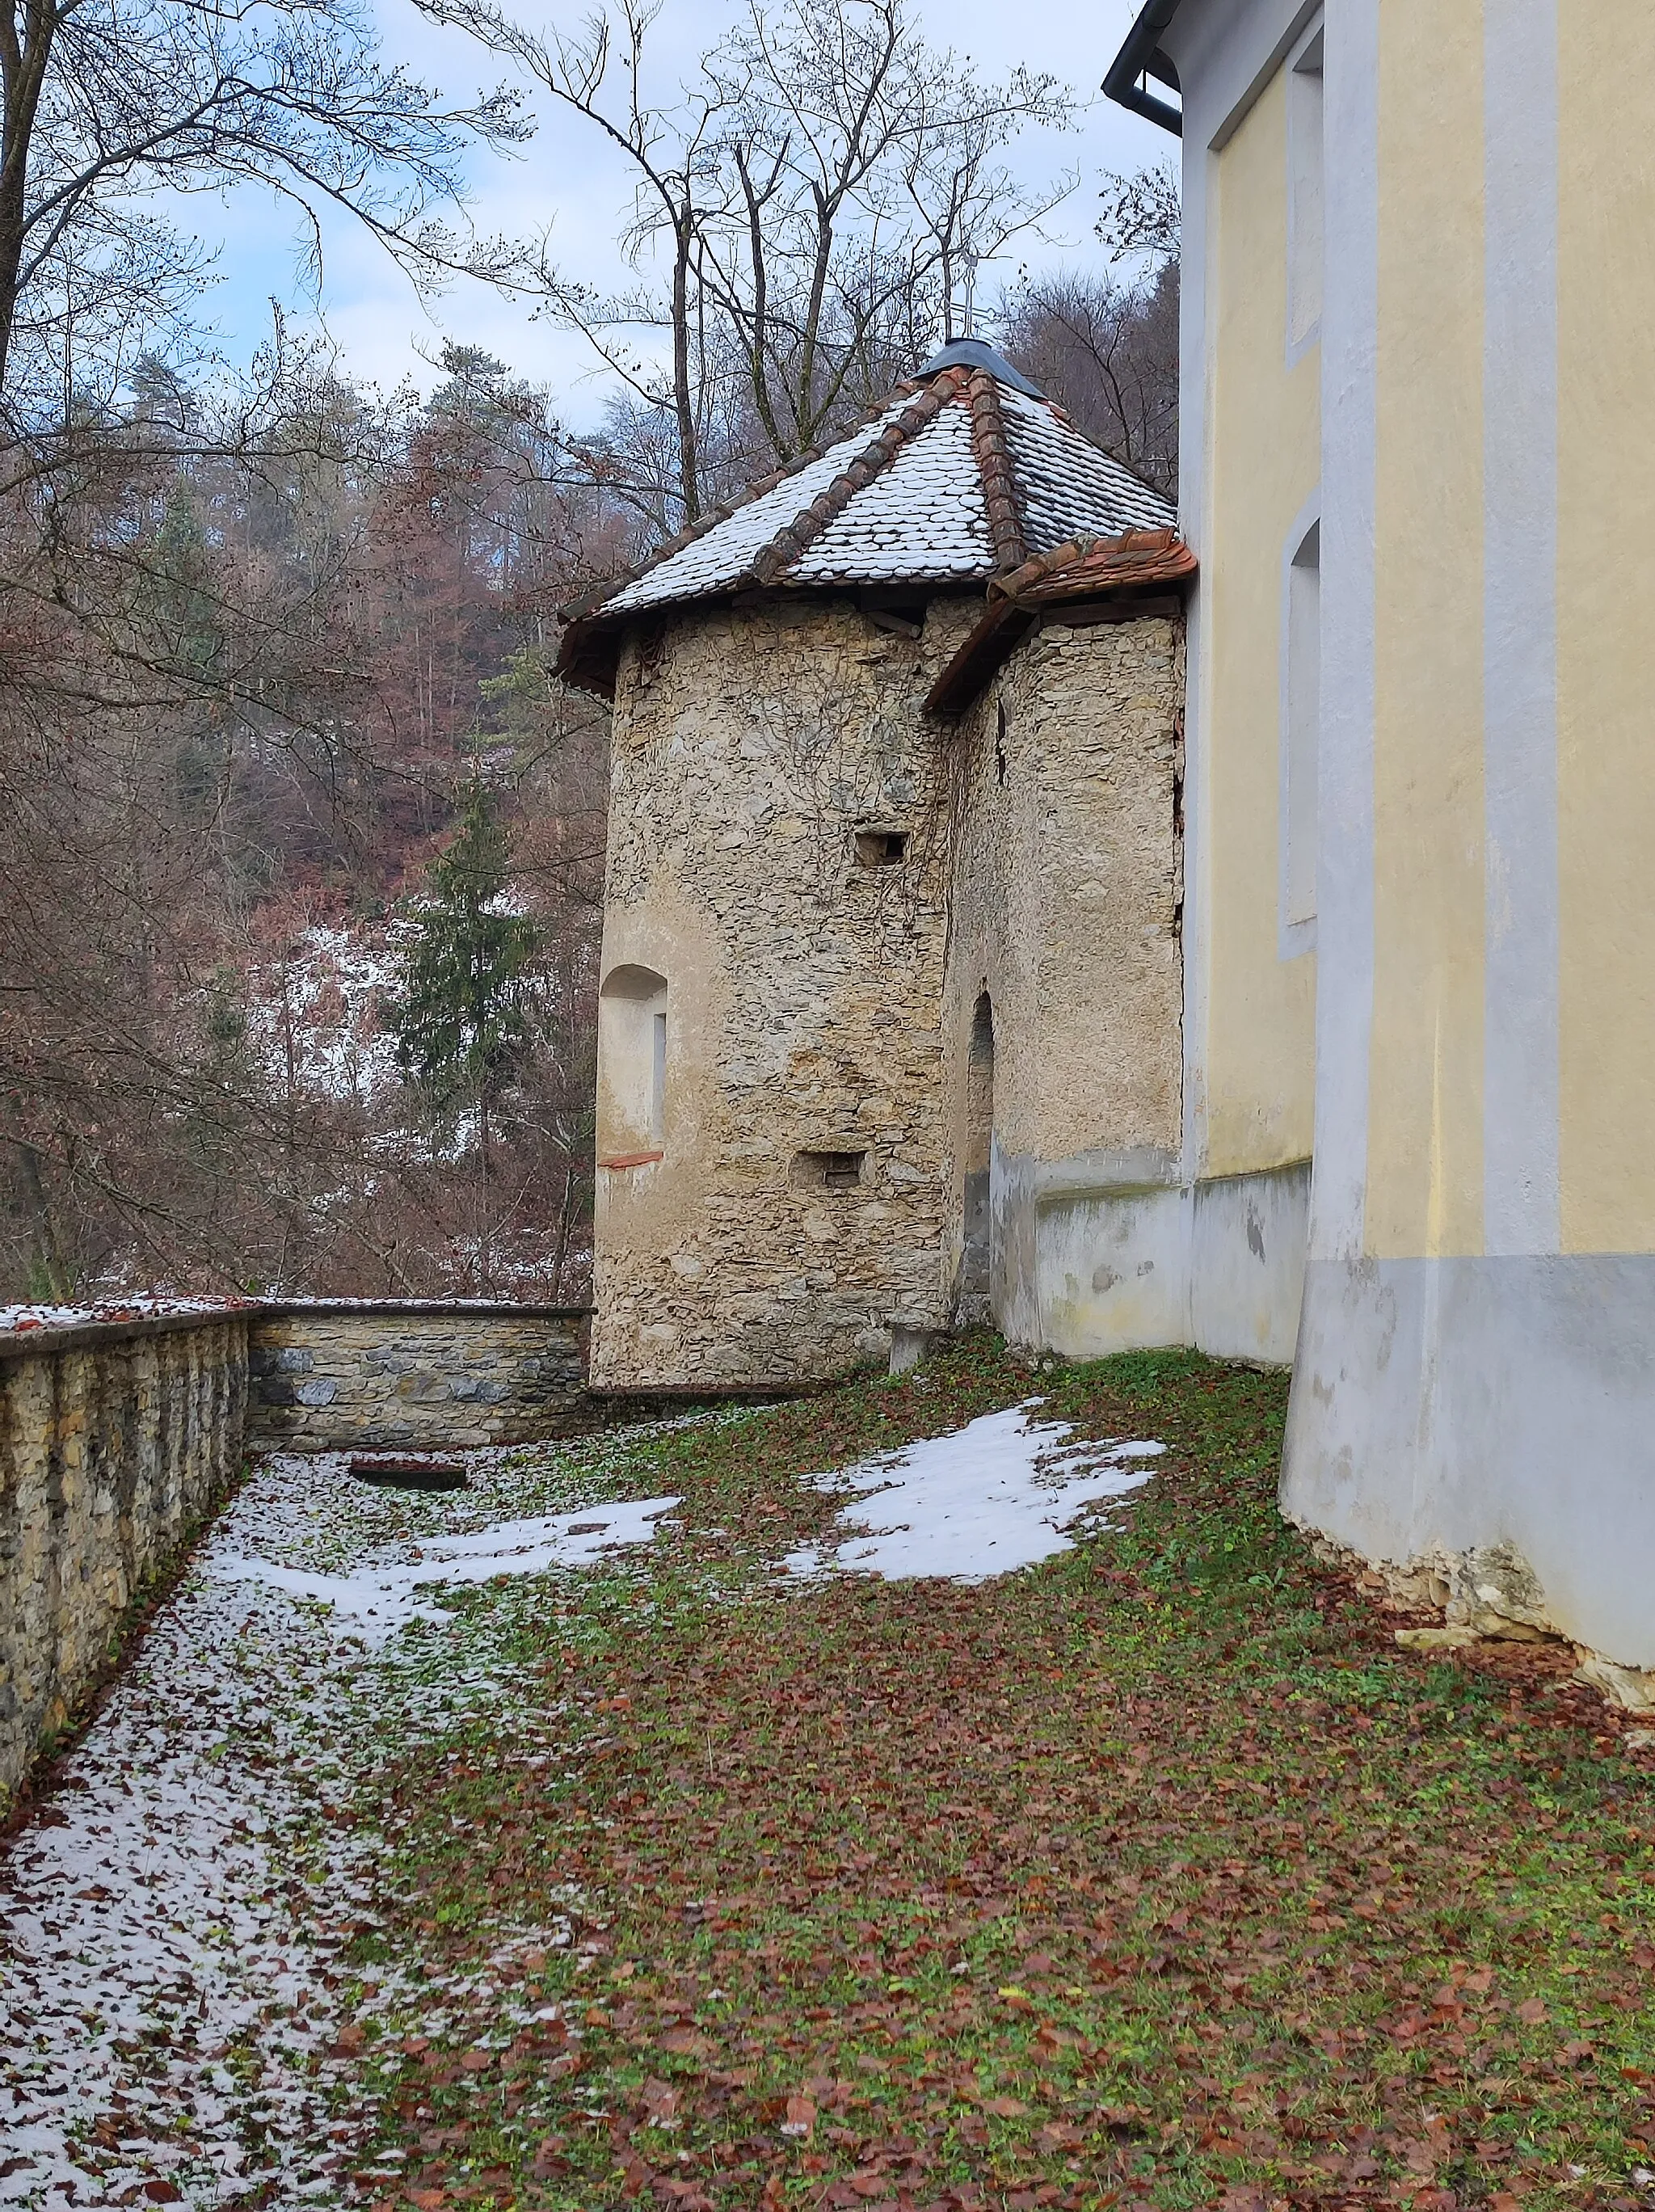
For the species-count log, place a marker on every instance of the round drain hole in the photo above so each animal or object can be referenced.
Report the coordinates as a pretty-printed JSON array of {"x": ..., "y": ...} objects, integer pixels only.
[{"x": 410, "y": 1474}]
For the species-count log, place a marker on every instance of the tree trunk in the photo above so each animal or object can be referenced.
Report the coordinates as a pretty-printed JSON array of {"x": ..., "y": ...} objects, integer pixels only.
[
  {"x": 485, "y": 1258},
  {"x": 48, "y": 1247},
  {"x": 564, "y": 1213},
  {"x": 689, "y": 459},
  {"x": 22, "y": 74}
]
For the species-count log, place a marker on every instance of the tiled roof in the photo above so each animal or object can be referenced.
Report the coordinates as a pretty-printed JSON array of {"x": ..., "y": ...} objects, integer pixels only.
[
  {"x": 1140, "y": 571},
  {"x": 923, "y": 515},
  {"x": 1088, "y": 566},
  {"x": 1066, "y": 486},
  {"x": 725, "y": 555},
  {"x": 957, "y": 479}
]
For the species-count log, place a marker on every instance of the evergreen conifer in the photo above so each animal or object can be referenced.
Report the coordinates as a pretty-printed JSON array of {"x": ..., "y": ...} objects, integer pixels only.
[{"x": 463, "y": 1023}]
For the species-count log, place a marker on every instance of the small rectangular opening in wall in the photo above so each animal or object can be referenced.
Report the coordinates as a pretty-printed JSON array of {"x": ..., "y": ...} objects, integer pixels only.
[
  {"x": 827, "y": 1171},
  {"x": 881, "y": 849}
]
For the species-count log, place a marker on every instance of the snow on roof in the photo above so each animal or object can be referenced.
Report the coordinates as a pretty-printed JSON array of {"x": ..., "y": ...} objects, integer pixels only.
[
  {"x": 1067, "y": 487},
  {"x": 961, "y": 475},
  {"x": 922, "y": 515},
  {"x": 724, "y": 555}
]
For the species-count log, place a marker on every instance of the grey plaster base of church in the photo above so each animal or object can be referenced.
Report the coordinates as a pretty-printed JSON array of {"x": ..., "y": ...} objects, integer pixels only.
[
  {"x": 1443, "y": 1405},
  {"x": 1113, "y": 1252}
]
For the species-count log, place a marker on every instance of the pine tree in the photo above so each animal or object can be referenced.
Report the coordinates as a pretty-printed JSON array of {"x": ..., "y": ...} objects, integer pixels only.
[{"x": 463, "y": 1023}]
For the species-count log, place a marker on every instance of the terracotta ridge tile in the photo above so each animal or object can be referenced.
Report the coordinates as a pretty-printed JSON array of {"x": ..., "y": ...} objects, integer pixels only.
[
  {"x": 1036, "y": 567},
  {"x": 1158, "y": 556},
  {"x": 795, "y": 537},
  {"x": 988, "y": 443},
  {"x": 1084, "y": 567},
  {"x": 788, "y": 544}
]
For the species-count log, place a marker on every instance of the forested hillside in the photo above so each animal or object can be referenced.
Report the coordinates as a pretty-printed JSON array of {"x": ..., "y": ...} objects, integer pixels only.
[{"x": 250, "y": 668}]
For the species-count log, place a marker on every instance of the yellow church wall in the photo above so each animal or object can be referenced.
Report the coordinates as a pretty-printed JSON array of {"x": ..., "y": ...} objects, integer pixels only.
[
  {"x": 1428, "y": 1108},
  {"x": 1257, "y": 1055},
  {"x": 1605, "y": 592},
  {"x": 1425, "y": 1111}
]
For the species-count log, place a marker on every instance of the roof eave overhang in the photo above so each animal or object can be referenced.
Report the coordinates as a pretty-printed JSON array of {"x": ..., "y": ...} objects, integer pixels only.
[
  {"x": 589, "y": 654},
  {"x": 997, "y": 636},
  {"x": 1143, "y": 573},
  {"x": 1143, "y": 57}
]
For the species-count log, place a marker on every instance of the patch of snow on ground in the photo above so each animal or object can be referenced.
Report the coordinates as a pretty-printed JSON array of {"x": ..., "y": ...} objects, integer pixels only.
[
  {"x": 996, "y": 1495},
  {"x": 323, "y": 1003},
  {"x": 379, "y": 1597},
  {"x": 173, "y": 1917}
]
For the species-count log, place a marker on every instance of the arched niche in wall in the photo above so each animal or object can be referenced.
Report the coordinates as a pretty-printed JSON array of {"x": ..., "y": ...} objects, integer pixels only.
[
  {"x": 632, "y": 1063},
  {"x": 979, "y": 1138}
]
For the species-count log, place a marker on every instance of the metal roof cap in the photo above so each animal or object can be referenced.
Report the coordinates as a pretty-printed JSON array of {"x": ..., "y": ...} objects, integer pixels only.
[{"x": 973, "y": 352}]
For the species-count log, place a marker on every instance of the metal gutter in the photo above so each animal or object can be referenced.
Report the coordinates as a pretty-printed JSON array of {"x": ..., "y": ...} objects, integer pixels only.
[{"x": 1141, "y": 57}]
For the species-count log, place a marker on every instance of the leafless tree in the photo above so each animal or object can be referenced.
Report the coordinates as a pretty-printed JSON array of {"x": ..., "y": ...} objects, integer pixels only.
[
  {"x": 107, "y": 105},
  {"x": 1105, "y": 342},
  {"x": 1108, "y": 351},
  {"x": 804, "y": 215},
  {"x": 1142, "y": 214},
  {"x": 241, "y": 678}
]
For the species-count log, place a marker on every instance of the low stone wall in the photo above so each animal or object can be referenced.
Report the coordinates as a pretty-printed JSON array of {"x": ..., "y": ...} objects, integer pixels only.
[
  {"x": 113, "y": 1438},
  {"x": 414, "y": 1376}
]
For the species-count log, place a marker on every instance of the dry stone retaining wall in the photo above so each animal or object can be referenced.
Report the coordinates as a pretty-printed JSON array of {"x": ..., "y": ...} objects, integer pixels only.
[
  {"x": 116, "y": 1435},
  {"x": 114, "y": 1439},
  {"x": 414, "y": 1375}
]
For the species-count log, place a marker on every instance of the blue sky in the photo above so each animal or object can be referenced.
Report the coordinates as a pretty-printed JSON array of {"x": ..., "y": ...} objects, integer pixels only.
[{"x": 384, "y": 332}]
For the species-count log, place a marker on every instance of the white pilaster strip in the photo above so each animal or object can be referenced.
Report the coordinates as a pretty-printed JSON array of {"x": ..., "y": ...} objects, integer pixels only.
[
  {"x": 1520, "y": 388},
  {"x": 1344, "y": 894}
]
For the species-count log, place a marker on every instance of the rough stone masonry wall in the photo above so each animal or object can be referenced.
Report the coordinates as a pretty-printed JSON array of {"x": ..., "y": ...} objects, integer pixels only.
[
  {"x": 751, "y": 747},
  {"x": 1067, "y": 891},
  {"x": 113, "y": 1439},
  {"x": 423, "y": 1377}
]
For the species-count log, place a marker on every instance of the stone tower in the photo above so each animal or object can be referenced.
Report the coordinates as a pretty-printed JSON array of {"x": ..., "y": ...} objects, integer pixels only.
[{"x": 892, "y": 829}]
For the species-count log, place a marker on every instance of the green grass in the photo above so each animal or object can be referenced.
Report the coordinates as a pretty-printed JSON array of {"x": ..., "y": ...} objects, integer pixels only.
[{"x": 1155, "y": 1875}]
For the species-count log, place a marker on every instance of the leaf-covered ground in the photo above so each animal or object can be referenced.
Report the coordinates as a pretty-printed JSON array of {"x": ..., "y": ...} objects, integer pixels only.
[{"x": 1156, "y": 1875}]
